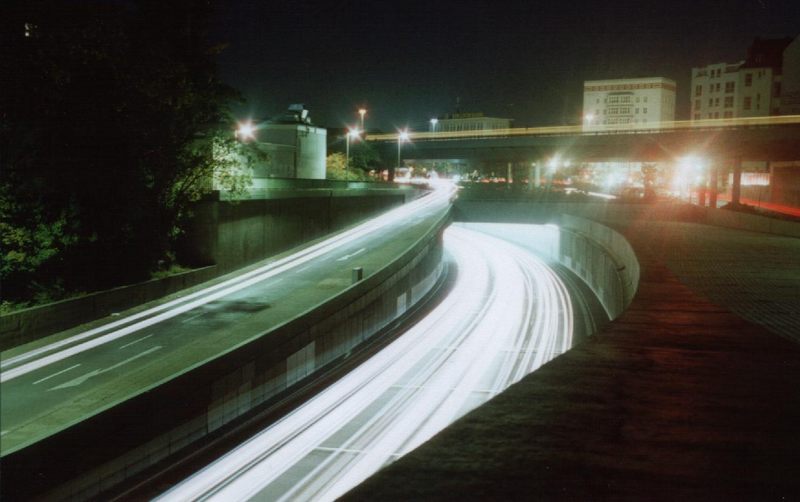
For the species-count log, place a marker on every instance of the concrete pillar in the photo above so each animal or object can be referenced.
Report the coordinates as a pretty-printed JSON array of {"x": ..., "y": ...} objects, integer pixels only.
[
  {"x": 701, "y": 193},
  {"x": 713, "y": 182},
  {"x": 736, "y": 191},
  {"x": 508, "y": 175},
  {"x": 531, "y": 179}
]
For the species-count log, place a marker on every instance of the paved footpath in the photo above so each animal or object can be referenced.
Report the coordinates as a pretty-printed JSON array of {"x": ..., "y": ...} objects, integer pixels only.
[{"x": 679, "y": 398}]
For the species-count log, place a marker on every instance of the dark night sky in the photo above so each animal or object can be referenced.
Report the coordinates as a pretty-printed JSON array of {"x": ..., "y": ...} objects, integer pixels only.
[{"x": 407, "y": 61}]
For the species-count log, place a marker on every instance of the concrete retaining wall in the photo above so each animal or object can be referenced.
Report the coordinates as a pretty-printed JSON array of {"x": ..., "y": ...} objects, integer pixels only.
[
  {"x": 751, "y": 222},
  {"x": 595, "y": 252},
  {"x": 603, "y": 258},
  {"x": 33, "y": 323},
  {"x": 150, "y": 427},
  {"x": 224, "y": 236}
]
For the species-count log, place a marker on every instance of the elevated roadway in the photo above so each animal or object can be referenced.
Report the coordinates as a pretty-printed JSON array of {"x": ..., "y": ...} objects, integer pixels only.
[
  {"x": 60, "y": 383},
  {"x": 758, "y": 138}
]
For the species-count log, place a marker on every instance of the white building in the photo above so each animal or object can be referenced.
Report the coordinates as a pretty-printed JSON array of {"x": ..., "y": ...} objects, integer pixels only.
[
  {"x": 295, "y": 148},
  {"x": 629, "y": 103},
  {"x": 749, "y": 88},
  {"x": 790, "y": 84},
  {"x": 457, "y": 122}
]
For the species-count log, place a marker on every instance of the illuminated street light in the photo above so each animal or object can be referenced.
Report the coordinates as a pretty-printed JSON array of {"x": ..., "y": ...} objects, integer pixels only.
[
  {"x": 589, "y": 118},
  {"x": 434, "y": 121},
  {"x": 402, "y": 137},
  {"x": 246, "y": 131},
  {"x": 351, "y": 133},
  {"x": 362, "y": 112}
]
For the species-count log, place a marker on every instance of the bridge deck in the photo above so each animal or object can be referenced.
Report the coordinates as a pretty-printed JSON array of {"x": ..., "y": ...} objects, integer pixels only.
[{"x": 677, "y": 398}]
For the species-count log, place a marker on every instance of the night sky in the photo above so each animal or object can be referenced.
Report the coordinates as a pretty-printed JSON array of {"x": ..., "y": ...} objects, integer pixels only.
[{"x": 408, "y": 61}]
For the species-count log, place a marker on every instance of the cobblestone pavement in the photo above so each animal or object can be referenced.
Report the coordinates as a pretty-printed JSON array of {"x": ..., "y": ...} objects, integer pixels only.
[{"x": 755, "y": 275}]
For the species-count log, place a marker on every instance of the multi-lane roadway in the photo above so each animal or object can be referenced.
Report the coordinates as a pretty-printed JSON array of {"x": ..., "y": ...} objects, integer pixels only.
[
  {"x": 506, "y": 315},
  {"x": 46, "y": 387}
]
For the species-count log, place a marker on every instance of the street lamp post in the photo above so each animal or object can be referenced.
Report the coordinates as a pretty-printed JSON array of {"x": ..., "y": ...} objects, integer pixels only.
[
  {"x": 402, "y": 137},
  {"x": 362, "y": 112},
  {"x": 351, "y": 133}
]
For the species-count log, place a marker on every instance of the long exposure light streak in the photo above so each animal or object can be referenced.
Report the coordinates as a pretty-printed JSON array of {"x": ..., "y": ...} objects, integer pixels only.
[
  {"x": 21, "y": 364},
  {"x": 507, "y": 314}
]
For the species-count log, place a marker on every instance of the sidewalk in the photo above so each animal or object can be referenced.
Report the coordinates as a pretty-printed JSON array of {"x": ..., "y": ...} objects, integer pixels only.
[{"x": 679, "y": 398}]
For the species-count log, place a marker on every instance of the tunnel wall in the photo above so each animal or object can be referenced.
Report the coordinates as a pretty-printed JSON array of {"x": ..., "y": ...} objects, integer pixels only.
[
  {"x": 595, "y": 252},
  {"x": 603, "y": 258},
  {"x": 150, "y": 427},
  {"x": 223, "y": 236}
]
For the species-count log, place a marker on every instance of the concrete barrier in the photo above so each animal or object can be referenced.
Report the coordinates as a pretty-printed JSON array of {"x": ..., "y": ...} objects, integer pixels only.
[
  {"x": 750, "y": 222},
  {"x": 224, "y": 236},
  {"x": 596, "y": 253},
  {"x": 23, "y": 326},
  {"x": 149, "y": 427},
  {"x": 603, "y": 258}
]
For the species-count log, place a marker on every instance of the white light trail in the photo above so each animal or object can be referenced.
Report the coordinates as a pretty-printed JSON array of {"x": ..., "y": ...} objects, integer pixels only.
[
  {"x": 507, "y": 314},
  {"x": 63, "y": 349}
]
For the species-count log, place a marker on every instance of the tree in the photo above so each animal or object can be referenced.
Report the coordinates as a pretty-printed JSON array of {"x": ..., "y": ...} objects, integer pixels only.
[
  {"x": 335, "y": 169},
  {"x": 112, "y": 123}
]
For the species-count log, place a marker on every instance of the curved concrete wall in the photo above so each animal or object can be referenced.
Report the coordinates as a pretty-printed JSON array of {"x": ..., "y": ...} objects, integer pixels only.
[
  {"x": 603, "y": 258},
  {"x": 595, "y": 252},
  {"x": 149, "y": 427}
]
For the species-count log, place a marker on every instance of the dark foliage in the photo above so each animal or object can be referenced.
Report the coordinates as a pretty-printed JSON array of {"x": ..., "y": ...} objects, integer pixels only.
[{"x": 109, "y": 118}]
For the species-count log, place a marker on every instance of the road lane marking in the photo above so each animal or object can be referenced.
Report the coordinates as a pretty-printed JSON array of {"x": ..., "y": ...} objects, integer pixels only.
[
  {"x": 429, "y": 201},
  {"x": 348, "y": 256},
  {"x": 135, "y": 341},
  {"x": 55, "y": 374},
  {"x": 81, "y": 379}
]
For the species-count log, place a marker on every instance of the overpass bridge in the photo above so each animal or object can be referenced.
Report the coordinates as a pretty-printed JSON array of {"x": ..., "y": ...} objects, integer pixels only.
[{"x": 724, "y": 140}]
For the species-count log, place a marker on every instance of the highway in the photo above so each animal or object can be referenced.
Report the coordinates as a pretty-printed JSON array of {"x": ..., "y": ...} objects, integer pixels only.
[
  {"x": 47, "y": 388},
  {"x": 506, "y": 314}
]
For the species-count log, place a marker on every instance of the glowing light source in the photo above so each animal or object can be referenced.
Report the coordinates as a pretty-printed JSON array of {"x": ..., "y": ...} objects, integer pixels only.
[
  {"x": 402, "y": 137},
  {"x": 351, "y": 133},
  {"x": 362, "y": 112},
  {"x": 246, "y": 131}
]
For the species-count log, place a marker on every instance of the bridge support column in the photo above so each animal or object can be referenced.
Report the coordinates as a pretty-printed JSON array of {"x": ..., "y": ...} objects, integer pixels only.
[
  {"x": 713, "y": 182},
  {"x": 736, "y": 191}
]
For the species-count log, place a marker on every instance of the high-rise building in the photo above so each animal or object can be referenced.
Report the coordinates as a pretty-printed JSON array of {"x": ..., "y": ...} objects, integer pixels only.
[
  {"x": 629, "y": 103},
  {"x": 749, "y": 88}
]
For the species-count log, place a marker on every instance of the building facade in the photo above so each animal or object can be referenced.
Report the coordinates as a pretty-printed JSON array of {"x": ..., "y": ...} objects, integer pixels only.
[
  {"x": 749, "y": 88},
  {"x": 457, "y": 122},
  {"x": 295, "y": 148},
  {"x": 790, "y": 82},
  {"x": 630, "y": 103}
]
